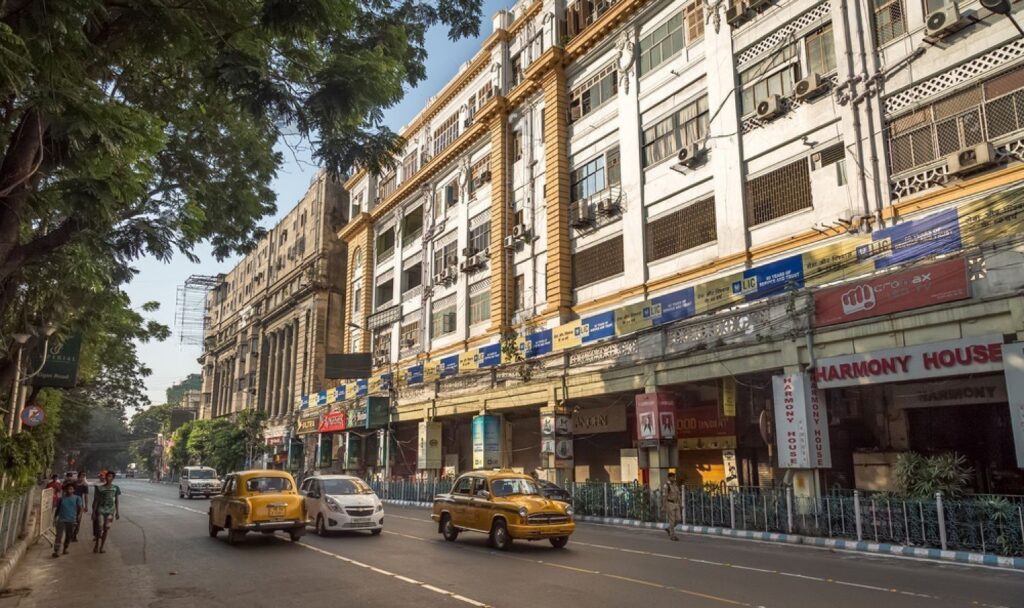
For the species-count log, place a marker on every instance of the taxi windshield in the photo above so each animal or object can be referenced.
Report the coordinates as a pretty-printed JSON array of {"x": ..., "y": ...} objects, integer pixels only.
[
  {"x": 513, "y": 487},
  {"x": 268, "y": 484}
]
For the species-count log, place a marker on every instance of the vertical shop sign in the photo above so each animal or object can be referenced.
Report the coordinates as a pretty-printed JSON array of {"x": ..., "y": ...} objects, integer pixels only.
[
  {"x": 486, "y": 441},
  {"x": 428, "y": 455},
  {"x": 728, "y": 396},
  {"x": 801, "y": 423},
  {"x": 1013, "y": 360}
]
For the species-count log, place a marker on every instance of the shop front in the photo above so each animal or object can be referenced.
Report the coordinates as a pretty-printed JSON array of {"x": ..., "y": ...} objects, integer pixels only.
[
  {"x": 603, "y": 444},
  {"x": 276, "y": 441},
  {"x": 331, "y": 429}
]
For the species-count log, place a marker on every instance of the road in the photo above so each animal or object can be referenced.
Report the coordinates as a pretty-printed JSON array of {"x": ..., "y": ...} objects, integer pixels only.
[{"x": 160, "y": 556}]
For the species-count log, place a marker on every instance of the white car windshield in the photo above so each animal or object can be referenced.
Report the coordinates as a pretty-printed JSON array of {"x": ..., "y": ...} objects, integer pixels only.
[
  {"x": 202, "y": 474},
  {"x": 512, "y": 487},
  {"x": 345, "y": 486}
]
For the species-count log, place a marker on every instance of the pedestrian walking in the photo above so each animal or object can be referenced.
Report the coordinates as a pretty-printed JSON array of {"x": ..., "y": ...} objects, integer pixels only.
[
  {"x": 106, "y": 507},
  {"x": 670, "y": 496},
  {"x": 57, "y": 488},
  {"x": 66, "y": 515},
  {"x": 82, "y": 491}
]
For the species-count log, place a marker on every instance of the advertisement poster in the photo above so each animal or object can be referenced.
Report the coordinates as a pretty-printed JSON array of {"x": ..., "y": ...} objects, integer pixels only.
[
  {"x": 728, "y": 396},
  {"x": 431, "y": 371},
  {"x": 490, "y": 355},
  {"x": 468, "y": 361},
  {"x": 61, "y": 366},
  {"x": 449, "y": 366},
  {"x": 770, "y": 279},
  {"x": 428, "y": 453},
  {"x": 538, "y": 343},
  {"x": 334, "y": 422},
  {"x": 655, "y": 417},
  {"x": 704, "y": 428},
  {"x": 598, "y": 327},
  {"x": 836, "y": 262},
  {"x": 361, "y": 388},
  {"x": 912, "y": 240},
  {"x": 486, "y": 441},
  {"x": 414, "y": 375},
  {"x": 634, "y": 317},
  {"x": 568, "y": 335},
  {"x": 674, "y": 306}
]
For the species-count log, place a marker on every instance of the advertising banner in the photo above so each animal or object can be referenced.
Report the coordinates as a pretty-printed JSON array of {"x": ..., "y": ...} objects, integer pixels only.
[
  {"x": 331, "y": 395},
  {"x": 334, "y": 422},
  {"x": 673, "y": 306},
  {"x": 373, "y": 386},
  {"x": 1014, "y": 355},
  {"x": 340, "y": 392},
  {"x": 486, "y": 441},
  {"x": 801, "y": 423},
  {"x": 468, "y": 361},
  {"x": 836, "y": 262},
  {"x": 449, "y": 366},
  {"x": 893, "y": 292},
  {"x": 991, "y": 218},
  {"x": 566, "y": 336},
  {"x": 728, "y": 396},
  {"x": 431, "y": 371},
  {"x": 769, "y": 279},
  {"x": 304, "y": 402},
  {"x": 361, "y": 388},
  {"x": 321, "y": 398},
  {"x": 490, "y": 355},
  {"x": 308, "y": 423},
  {"x": 598, "y": 327},
  {"x": 655, "y": 417},
  {"x": 414, "y": 375},
  {"x": 633, "y": 317},
  {"x": 975, "y": 355},
  {"x": 61, "y": 366},
  {"x": 428, "y": 453},
  {"x": 538, "y": 343},
  {"x": 912, "y": 240},
  {"x": 717, "y": 293}
]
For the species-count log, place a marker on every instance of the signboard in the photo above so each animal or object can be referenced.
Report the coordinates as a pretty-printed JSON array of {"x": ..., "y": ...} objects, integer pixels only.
[
  {"x": 728, "y": 396},
  {"x": 703, "y": 421},
  {"x": 334, "y": 422},
  {"x": 959, "y": 391},
  {"x": 673, "y": 306},
  {"x": 598, "y": 327},
  {"x": 449, "y": 366},
  {"x": 1014, "y": 354},
  {"x": 591, "y": 420},
  {"x": 801, "y": 423},
  {"x": 490, "y": 355},
  {"x": 468, "y": 361},
  {"x": 538, "y": 343},
  {"x": 732, "y": 475},
  {"x": 769, "y": 279},
  {"x": 414, "y": 375},
  {"x": 431, "y": 371},
  {"x": 655, "y": 416},
  {"x": 361, "y": 388},
  {"x": 61, "y": 367},
  {"x": 308, "y": 425},
  {"x": 836, "y": 262},
  {"x": 486, "y": 441},
  {"x": 321, "y": 398},
  {"x": 908, "y": 241},
  {"x": 377, "y": 411},
  {"x": 936, "y": 360},
  {"x": 428, "y": 454},
  {"x": 894, "y": 292},
  {"x": 634, "y": 317},
  {"x": 32, "y": 415},
  {"x": 275, "y": 440},
  {"x": 568, "y": 335}
]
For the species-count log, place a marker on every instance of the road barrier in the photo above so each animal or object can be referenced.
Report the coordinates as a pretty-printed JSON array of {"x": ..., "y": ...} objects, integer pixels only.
[
  {"x": 983, "y": 523},
  {"x": 24, "y": 517}
]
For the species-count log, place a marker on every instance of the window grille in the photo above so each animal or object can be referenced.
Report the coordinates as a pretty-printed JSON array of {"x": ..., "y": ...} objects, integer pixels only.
[
  {"x": 821, "y": 51},
  {"x": 690, "y": 227},
  {"x": 597, "y": 262},
  {"x": 778, "y": 193},
  {"x": 694, "y": 13},
  {"x": 410, "y": 165},
  {"x": 410, "y": 334},
  {"x": 686, "y": 126},
  {"x": 446, "y": 134},
  {"x": 480, "y": 237},
  {"x": 889, "y": 20},
  {"x": 388, "y": 185}
]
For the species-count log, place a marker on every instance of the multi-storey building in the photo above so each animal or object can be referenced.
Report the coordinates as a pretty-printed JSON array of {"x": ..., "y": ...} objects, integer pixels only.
[
  {"x": 619, "y": 198},
  {"x": 274, "y": 316}
]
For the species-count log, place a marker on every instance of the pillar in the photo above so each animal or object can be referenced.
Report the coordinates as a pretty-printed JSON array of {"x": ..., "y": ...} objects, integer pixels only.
[
  {"x": 501, "y": 259},
  {"x": 556, "y": 175},
  {"x": 631, "y": 169},
  {"x": 282, "y": 365},
  {"x": 270, "y": 382},
  {"x": 287, "y": 398}
]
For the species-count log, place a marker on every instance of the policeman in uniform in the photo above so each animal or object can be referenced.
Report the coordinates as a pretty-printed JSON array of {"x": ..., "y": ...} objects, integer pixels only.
[{"x": 670, "y": 495}]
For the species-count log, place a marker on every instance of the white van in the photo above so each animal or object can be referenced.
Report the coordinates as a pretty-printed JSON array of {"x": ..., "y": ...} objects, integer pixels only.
[{"x": 198, "y": 481}]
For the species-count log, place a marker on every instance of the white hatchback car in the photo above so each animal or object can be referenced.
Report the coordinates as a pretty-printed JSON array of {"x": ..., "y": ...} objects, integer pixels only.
[{"x": 338, "y": 503}]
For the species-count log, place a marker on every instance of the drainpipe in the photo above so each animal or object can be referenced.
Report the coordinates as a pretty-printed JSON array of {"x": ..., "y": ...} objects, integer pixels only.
[
  {"x": 862, "y": 183},
  {"x": 868, "y": 109}
]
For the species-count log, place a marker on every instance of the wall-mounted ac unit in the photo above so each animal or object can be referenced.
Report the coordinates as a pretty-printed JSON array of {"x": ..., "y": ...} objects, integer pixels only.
[
  {"x": 809, "y": 87},
  {"x": 511, "y": 242},
  {"x": 690, "y": 155},
  {"x": 770, "y": 107},
  {"x": 944, "y": 21},
  {"x": 971, "y": 159},
  {"x": 736, "y": 16},
  {"x": 580, "y": 216},
  {"x": 608, "y": 207},
  {"x": 519, "y": 231}
]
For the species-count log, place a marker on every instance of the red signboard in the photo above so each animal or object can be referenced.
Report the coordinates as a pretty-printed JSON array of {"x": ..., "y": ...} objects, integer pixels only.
[
  {"x": 703, "y": 421},
  {"x": 655, "y": 416},
  {"x": 334, "y": 422},
  {"x": 893, "y": 292},
  {"x": 275, "y": 440}
]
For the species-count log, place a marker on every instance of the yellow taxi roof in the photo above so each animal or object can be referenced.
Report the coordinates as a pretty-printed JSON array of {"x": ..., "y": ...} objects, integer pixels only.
[
  {"x": 264, "y": 473},
  {"x": 504, "y": 473}
]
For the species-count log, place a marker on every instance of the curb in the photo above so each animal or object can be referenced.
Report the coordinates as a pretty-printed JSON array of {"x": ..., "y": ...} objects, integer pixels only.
[
  {"x": 10, "y": 560},
  {"x": 960, "y": 557}
]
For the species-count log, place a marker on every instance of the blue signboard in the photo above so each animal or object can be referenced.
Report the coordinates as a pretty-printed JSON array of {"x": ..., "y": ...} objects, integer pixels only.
[
  {"x": 490, "y": 355},
  {"x": 449, "y": 366},
  {"x": 339, "y": 393},
  {"x": 598, "y": 327},
  {"x": 321, "y": 398},
  {"x": 361, "y": 387},
  {"x": 414, "y": 375},
  {"x": 385, "y": 381},
  {"x": 770, "y": 279},
  {"x": 673, "y": 306},
  {"x": 539, "y": 343},
  {"x": 908, "y": 241},
  {"x": 304, "y": 402},
  {"x": 486, "y": 441}
]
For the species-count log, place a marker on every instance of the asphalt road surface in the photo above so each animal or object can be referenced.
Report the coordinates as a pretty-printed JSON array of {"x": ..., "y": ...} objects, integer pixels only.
[{"x": 160, "y": 556}]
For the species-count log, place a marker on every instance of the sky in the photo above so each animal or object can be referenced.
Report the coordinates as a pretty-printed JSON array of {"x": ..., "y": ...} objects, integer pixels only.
[{"x": 171, "y": 361}]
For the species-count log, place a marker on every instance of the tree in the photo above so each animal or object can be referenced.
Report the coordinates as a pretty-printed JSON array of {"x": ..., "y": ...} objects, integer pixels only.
[
  {"x": 192, "y": 382},
  {"x": 144, "y": 427}
]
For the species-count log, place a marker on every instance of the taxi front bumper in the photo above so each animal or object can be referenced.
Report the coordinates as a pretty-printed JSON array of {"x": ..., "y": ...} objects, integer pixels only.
[
  {"x": 532, "y": 532},
  {"x": 270, "y": 526}
]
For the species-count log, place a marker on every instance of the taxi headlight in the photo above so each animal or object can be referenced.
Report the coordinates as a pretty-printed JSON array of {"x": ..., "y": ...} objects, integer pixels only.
[
  {"x": 523, "y": 512},
  {"x": 568, "y": 511}
]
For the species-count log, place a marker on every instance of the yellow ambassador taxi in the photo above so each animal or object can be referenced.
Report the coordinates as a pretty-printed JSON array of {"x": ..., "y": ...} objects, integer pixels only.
[
  {"x": 258, "y": 501},
  {"x": 505, "y": 506}
]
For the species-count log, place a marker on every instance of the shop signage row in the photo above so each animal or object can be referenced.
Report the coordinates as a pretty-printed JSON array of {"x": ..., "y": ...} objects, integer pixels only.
[
  {"x": 592, "y": 420},
  {"x": 966, "y": 390},
  {"x": 944, "y": 232}
]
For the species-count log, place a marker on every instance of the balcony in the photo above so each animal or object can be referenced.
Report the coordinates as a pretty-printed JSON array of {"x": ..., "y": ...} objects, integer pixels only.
[{"x": 582, "y": 14}]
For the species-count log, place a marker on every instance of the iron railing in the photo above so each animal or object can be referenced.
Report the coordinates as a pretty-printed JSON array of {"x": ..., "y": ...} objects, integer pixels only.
[
  {"x": 985, "y": 523},
  {"x": 13, "y": 519}
]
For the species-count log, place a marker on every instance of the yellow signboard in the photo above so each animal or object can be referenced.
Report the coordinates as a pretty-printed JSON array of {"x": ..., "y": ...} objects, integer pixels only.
[
  {"x": 716, "y": 294},
  {"x": 836, "y": 262},
  {"x": 373, "y": 386},
  {"x": 567, "y": 336},
  {"x": 728, "y": 396},
  {"x": 431, "y": 371},
  {"x": 521, "y": 347},
  {"x": 992, "y": 218},
  {"x": 469, "y": 360},
  {"x": 727, "y": 442},
  {"x": 332, "y": 395},
  {"x": 633, "y": 317}
]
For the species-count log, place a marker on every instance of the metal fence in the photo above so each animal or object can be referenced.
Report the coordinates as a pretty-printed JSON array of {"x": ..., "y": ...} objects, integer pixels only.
[
  {"x": 984, "y": 523},
  {"x": 13, "y": 519}
]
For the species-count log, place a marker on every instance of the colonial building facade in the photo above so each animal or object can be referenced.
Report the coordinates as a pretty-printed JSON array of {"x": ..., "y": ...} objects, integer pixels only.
[{"x": 625, "y": 209}]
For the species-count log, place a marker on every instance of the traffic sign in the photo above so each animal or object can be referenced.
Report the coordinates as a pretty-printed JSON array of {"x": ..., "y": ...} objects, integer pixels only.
[{"x": 32, "y": 415}]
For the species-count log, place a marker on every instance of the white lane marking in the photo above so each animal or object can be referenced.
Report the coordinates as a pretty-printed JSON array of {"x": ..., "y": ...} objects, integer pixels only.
[
  {"x": 755, "y": 569},
  {"x": 872, "y": 587},
  {"x": 419, "y": 519},
  {"x": 353, "y": 562}
]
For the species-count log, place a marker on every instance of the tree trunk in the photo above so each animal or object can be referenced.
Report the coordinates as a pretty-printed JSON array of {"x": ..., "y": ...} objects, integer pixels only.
[{"x": 21, "y": 160}]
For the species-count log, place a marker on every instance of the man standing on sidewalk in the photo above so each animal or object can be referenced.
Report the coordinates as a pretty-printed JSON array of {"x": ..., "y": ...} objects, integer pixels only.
[
  {"x": 106, "y": 508},
  {"x": 69, "y": 509},
  {"x": 82, "y": 491},
  {"x": 670, "y": 495}
]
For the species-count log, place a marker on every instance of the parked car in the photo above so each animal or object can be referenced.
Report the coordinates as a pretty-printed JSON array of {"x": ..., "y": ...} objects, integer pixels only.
[
  {"x": 505, "y": 506},
  {"x": 554, "y": 492},
  {"x": 258, "y": 501},
  {"x": 196, "y": 481},
  {"x": 342, "y": 502}
]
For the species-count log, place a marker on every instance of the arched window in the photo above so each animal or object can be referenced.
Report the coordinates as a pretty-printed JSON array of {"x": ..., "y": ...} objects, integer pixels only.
[{"x": 357, "y": 259}]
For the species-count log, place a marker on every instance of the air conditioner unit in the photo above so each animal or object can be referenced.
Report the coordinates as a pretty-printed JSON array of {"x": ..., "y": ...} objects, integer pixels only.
[
  {"x": 409, "y": 342},
  {"x": 519, "y": 231},
  {"x": 380, "y": 361},
  {"x": 690, "y": 155},
  {"x": 608, "y": 207},
  {"x": 467, "y": 123},
  {"x": 511, "y": 242},
  {"x": 485, "y": 176},
  {"x": 580, "y": 216},
  {"x": 944, "y": 21},
  {"x": 769, "y": 108},
  {"x": 441, "y": 277},
  {"x": 809, "y": 87},
  {"x": 575, "y": 112},
  {"x": 736, "y": 16},
  {"x": 468, "y": 251},
  {"x": 971, "y": 159},
  {"x": 757, "y": 4}
]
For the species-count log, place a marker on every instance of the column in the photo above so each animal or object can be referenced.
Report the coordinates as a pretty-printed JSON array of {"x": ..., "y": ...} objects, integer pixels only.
[
  {"x": 631, "y": 169},
  {"x": 281, "y": 407},
  {"x": 262, "y": 375},
  {"x": 287, "y": 395},
  {"x": 501, "y": 259},
  {"x": 556, "y": 175},
  {"x": 269, "y": 382}
]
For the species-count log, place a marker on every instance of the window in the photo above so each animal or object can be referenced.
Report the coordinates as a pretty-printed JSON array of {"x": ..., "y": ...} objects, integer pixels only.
[
  {"x": 588, "y": 180},
  {"x": 517, "y": 69},
  {"x": 382, "y": 343},
  {"x": 479, "y": 173},
  {"x": 660, "y": 45},
  {"x": 778, "y": 193},
  {"x": 451, "y": 194},
  {"x": 410, "y": 165},
  {"x": 580, "y": 14},
  {"x": 388, "y": 185},
  {"x": 597, "y": 262},
  {"x": 519, "y": 292},
  {"x": 687, "y": 126},
  {"x": 480, "y": 237},
  {"x": 385, "y": 244},
  {"x": 888, "y": 20},
  {"x": 357, "y": 259},
  {"x": 412, "y": 225},
  {"x": 445, "y": 257},
  {"x": 410, "y": 335},
  {"x": 821, "y": 51},
  {"x": 517, "y": 145},
  {"x": 681, "y": 230},
  {"x": 412, "y": 277},
  {"x": 479, "y": 302},
  {"x": 772, "y": 76},
  {"x": 447, "y": 133},
  {"x": 442, "y": 318},
  {"x": 463, "y": 486},
  {"x": 268, "y": 484},
  {"x": 357, "y": 204},
  {"x": 385, "y": 293},
  {"x": 592, "y": 93},
  {"x": 694, "y": 13}
]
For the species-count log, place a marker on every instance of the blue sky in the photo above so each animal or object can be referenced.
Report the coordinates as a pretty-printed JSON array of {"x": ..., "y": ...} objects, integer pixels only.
[{"x": 171, "y": 361}]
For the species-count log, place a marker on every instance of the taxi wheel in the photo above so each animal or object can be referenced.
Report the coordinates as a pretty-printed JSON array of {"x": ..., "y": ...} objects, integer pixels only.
[
  {"x": 214, "y": 530},
  {"x": 500, "y": 538},
  {"x": 294, "y": 535},
  {"x": 559, "y": 541},
  {"x": 448, "y": 529},
  {"x": 234, "y": 536},
  {"x": 321, "y": 530}
]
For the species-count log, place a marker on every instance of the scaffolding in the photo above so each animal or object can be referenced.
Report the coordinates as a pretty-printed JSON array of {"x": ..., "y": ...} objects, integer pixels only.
[{"x": 190, "y": 318}]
